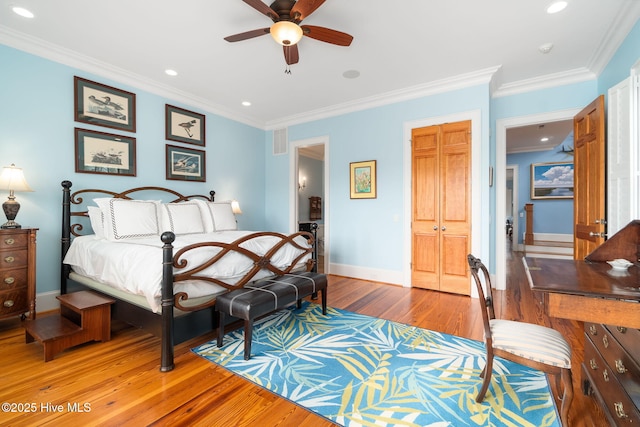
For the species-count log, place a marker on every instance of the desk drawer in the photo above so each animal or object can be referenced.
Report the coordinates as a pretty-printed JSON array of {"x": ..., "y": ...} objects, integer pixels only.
[
  {"x": 13, "y": 279},
  {"x": 618, "y": 404},
  {"x": 13, "y": 259},
  {"x": 14, "y": 241},
  {"x": 629, "y": 338},
  {"x": 13, "y": 302}
]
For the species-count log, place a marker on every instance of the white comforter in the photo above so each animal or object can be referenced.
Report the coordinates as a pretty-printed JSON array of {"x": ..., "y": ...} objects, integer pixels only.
[{"x": 135, "y": 266}]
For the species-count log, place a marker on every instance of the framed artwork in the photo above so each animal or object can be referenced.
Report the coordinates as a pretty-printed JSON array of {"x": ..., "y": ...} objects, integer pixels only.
[
  {"x": 105, "y": 153},
  {"x": 185, "y": 164},
  {"x": 552, "y": 180},
  {"x": 184, "y": 126},
  {"x": 102, "y": 105},
  {"x": 363, "y": 179}
]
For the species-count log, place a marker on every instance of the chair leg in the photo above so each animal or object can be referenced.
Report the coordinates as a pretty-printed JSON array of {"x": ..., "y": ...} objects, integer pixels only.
[
  {"x": 567, "y": 397},
  {"x": 220, "y": 328},
  {"x": 487, "y": 372}
]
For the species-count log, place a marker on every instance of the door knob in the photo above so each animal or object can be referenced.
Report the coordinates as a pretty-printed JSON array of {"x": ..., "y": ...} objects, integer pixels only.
[
  {"x": 435, "y": 227},
  {"x": 444, "y": 228}
]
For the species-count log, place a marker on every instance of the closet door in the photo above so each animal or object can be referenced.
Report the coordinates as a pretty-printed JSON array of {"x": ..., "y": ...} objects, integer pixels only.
[{"x": 441, "y": 227}]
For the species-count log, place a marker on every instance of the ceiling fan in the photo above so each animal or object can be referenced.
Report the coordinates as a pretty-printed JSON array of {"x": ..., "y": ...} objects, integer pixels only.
[{"x": 286, "y": 29}]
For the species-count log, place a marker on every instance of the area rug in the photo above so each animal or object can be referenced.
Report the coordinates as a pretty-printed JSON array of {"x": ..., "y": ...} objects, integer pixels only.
[{"x": 357, "y": 370}]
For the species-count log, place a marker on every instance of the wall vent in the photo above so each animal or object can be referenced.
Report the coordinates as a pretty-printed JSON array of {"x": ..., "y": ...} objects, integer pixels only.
[{"x": 280, "y": 142}]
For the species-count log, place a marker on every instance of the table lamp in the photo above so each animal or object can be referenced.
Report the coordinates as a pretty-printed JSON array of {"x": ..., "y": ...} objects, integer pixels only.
[{"x": 12, "y": 179}]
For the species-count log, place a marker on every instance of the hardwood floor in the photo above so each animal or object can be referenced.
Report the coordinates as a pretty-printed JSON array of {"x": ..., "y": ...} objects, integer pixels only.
[{"x": 118, "y": 382}]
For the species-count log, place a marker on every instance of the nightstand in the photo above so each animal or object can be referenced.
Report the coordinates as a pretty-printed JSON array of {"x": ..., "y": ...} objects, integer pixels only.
[{"x": 18, "y": 272}]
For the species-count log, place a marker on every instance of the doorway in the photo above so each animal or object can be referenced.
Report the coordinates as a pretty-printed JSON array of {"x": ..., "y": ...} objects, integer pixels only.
[{"x": 309, "y": 184}]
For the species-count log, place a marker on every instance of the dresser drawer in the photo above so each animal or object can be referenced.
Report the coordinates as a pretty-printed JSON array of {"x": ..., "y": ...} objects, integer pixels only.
[
  {"x": 620, "y": 407},
  {"x": 13, "y": 259},
  {"x": 13, "y": 279},
  {"x": 13, "y": 302},
  {"x": 14, "y": 241},
  {"x": 629, "y": 338}
]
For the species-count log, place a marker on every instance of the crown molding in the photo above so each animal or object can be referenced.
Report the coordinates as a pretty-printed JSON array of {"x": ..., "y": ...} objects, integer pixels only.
[
  {"x": 419, "y": 91},
  {"x": 68, "y": 57},
  {"x": 545, "y": 82}
]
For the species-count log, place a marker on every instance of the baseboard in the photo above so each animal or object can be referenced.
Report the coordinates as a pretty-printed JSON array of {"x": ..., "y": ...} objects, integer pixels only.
[
  {"x": 47, "y": 301},
  {"x": 364, "y": 273},
  {"x": 553, "y": 237}
]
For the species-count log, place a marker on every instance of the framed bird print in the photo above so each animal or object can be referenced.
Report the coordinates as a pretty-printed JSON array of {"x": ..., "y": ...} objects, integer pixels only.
[
  {"x": 184, "y": 126},
  {"x": 103, "y": 105},
  {"x": 185, "y": 164}
]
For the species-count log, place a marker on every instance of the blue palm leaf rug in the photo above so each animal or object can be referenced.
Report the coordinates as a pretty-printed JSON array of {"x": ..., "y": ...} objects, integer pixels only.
[{"x": 357, "y": 370}]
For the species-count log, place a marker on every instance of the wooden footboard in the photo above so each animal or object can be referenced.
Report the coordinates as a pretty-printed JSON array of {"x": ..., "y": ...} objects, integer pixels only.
[{"x": 166, "y": 323}]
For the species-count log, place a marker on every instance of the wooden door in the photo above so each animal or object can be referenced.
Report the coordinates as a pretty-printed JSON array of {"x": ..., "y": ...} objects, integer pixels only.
[
  {"x": 441, "y": 225},
  {"x": 589, "y": 178}
]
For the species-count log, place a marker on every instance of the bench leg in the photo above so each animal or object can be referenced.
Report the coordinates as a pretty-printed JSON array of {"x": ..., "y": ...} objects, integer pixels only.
[
  {"x": 220, "y": 328},
  {"x": 248, "y": 336},
  {"x": 324, "y": 301}
]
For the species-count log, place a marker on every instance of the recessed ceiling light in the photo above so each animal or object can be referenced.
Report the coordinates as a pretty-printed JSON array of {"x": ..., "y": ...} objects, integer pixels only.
[
  {"x": 22, "y": 12},
  {"x": 246, "y": 103},
  {"x": 545, "y": 48},
  {"x": 171, "y": 72},
  {"x": 351, "y": 74},
  {"x": 556, "y": 7}
]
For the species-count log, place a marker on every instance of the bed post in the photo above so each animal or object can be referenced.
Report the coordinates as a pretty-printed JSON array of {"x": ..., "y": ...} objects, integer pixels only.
[
  {"x": 66, "y": 234},
  {"x": 166, "y": 359}
]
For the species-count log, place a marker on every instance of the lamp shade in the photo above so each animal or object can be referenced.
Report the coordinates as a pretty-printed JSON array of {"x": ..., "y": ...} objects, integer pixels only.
[
  {"x": 12, "y": 179},
  {"x": 235, "y": 207},
  {"x": 286, "y": 33}
]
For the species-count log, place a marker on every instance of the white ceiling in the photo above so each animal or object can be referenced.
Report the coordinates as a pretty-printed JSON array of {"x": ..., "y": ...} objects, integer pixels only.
[{"x": 401, "y": 49}]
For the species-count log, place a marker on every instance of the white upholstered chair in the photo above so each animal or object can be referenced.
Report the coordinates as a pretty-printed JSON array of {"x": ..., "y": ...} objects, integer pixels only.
[{"x": 528, "y": 344}]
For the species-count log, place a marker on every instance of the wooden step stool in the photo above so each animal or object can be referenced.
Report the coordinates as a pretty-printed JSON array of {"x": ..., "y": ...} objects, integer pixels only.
[{"x": 84, "y": 316}]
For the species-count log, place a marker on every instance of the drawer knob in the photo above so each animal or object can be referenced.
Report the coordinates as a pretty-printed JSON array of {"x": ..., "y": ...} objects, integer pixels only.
[
  {"x": 605, "y": 341},
  {"x": 593, "y": 330},
  {"x": 9, "y": 280},
  {"x": 620, "y": 367},
  {"x": 9, "y": 259},
  {"x": 593, "y": 364},
  {"x": 621, "y": 329},
  {"x": 8, "y": 303},
  {"x": 9, "y": 241},
  {"x": 620, "y": 410}
]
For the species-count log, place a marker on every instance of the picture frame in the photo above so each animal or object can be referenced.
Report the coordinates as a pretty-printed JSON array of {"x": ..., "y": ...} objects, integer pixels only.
[
  {"x": 104, "y": 153},
  {"x": 363, "y": 179},
  {"x": 184, "y": 126},
  {"x": 102, "y": 105},
  {"x": 185, "y": 164},
  {"x": 552, "y": 180}
]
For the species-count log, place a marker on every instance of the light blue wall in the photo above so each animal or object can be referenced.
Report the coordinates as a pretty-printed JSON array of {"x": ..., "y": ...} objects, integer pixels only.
[
  {"x": 369, "y": 232},
  {"x": 37, "y": 123},
  {"x": 618, "y": 68}
]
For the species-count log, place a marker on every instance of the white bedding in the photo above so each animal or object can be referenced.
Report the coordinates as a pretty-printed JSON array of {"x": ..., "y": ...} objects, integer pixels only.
[{"x": 135, "y": 265}]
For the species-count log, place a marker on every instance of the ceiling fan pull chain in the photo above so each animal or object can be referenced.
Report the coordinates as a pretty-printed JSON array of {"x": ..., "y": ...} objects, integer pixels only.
[{"x": 287, "y": 70}]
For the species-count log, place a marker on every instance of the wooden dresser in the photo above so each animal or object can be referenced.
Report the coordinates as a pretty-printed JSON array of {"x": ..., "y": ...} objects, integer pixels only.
[
  {"x": 608, "y": 301},
  {"x": 18, "y": 272}
]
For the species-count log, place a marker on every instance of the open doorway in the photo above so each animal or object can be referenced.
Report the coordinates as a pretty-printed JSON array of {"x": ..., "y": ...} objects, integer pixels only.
[{"x": 309, "y": 192}]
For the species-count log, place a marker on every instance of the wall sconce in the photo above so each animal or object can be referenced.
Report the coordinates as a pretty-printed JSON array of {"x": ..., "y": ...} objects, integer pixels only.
[
  {"x": 302, "y": 184},
  {"x": 235, "y": 207},
  {"x": 12, "y": 179}
]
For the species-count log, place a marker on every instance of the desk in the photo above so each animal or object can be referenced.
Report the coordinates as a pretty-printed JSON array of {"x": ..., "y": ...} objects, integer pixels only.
[
  {"x": 609, "y": 302},
  {"x": 586, "y": 291}
]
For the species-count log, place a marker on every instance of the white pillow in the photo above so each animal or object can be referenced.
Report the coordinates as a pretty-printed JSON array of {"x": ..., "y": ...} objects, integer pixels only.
[
  {"x": 182, "y": 218},
  {"x": 129, "y": 219},
  {"x": 97, "y": 221},
  {"x": 218, "y": 216}
]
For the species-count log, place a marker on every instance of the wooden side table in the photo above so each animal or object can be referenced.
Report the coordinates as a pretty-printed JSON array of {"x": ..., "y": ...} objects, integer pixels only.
[
  {"x": 84, "y": 316},
  {"x": 18, "y": 272}
]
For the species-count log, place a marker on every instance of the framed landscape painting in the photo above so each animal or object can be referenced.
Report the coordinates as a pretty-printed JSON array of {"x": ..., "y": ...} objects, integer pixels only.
[
  {"x": 552, "y": 180},
  {"x": 185, "y": 164},
  {"x": 363, "y": 179},
  {"x": 105, "y": 153},
  {"x": 103, "y": 105}
]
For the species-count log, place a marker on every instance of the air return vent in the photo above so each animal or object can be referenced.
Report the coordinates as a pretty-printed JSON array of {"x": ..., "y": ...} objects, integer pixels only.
[{"x": 280, "y": 141}]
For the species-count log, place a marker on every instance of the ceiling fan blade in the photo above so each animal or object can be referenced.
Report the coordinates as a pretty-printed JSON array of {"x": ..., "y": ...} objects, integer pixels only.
[
  {"x": 304, "y": 8},
  {"x": 327, "y": 35},
  {"x": 291, "y": 55},
  {"x": 247, "y": 35},
  {"x": 263, "y": 8}
]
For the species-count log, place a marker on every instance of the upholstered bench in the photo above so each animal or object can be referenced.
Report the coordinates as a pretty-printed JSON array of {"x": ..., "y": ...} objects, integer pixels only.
[{"x": 266, "y": 296}]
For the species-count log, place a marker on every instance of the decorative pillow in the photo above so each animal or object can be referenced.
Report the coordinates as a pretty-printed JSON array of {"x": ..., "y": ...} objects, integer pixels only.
[
  {"x": 97, "y": 221},
  {"x": 129, "y": 219},
  {"x": 223, "y": 216},
  {"x": 182, "y": 218}
]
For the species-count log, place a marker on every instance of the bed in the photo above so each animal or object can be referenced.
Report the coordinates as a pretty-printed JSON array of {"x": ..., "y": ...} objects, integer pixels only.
[{"x": 164, "y": 257}]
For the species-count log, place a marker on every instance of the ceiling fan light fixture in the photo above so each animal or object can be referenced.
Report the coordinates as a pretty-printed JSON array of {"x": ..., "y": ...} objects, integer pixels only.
[{"x": 286, "y": 33}]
